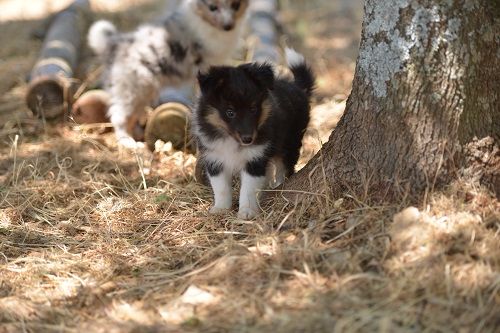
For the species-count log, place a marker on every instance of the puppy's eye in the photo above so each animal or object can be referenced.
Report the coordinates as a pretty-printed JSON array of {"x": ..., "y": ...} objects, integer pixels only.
[
  {"x": 253, "y": 110},
  {"x": 213, "y": 7},
  {"x": 230, "y": 113},
  {"x": 235, "y": 5}
]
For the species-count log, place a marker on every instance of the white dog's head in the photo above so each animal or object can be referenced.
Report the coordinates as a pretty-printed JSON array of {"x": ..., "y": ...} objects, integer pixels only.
[{"x": 222, "y": 14}]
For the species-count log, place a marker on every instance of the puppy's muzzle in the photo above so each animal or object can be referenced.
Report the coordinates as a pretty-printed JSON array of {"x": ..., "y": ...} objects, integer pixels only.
[{"x": 246, "y": 139}]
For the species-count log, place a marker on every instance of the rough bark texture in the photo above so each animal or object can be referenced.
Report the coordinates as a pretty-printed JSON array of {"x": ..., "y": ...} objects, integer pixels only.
[{"x": 426, "y": 83}]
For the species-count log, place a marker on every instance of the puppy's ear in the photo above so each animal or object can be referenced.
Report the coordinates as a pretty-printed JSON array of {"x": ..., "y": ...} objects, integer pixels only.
[
  {"x": 204, "y": 81},
  {"x": 211, "y": 80},
  {"x": 262, "y": 74}
]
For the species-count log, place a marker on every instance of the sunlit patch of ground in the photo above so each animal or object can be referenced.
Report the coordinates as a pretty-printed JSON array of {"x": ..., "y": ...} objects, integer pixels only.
[
  {"x": 20, "y": 10},
  {"x": 97, "y": 239}
]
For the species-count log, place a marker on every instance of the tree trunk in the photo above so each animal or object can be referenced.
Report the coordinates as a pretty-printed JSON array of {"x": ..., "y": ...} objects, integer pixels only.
[{"x": 426, "y": 83}]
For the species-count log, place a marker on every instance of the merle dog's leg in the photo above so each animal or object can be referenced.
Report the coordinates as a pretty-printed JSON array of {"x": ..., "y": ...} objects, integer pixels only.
[
  {"x": 118, "y": 114},
  {"x": 132, "y": 89},
  {"x": 220, "y": 180},
  {"x": 253, "y": 180}
]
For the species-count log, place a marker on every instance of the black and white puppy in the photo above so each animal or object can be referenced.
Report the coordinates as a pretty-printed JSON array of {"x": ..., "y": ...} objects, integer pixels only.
[
  {"x": 199, "y": 34},
  {"x": 247, "y": 121}
]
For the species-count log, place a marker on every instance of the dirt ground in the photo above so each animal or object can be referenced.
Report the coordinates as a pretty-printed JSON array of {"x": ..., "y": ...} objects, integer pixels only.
[{"x": 94, "y": 238}]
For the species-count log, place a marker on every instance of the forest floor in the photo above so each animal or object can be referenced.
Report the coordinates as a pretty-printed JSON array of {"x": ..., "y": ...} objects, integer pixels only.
[{"x": 94, "y": 238}]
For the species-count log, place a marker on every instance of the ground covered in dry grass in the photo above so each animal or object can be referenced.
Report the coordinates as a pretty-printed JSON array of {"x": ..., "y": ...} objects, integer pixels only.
[{"x": 96, "y": 239}]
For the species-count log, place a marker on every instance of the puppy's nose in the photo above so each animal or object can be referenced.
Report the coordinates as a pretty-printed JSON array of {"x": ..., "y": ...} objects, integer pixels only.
[
  {"x": 246, "y": 139},
  {"x": 228, "y": 26}
]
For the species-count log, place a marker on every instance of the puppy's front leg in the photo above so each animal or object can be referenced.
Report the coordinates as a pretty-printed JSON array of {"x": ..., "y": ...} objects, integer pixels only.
[
  {"x": 220, "y": 180},
  {"x": 119, "y": 114},
  {"x": 253, "y": 180}
]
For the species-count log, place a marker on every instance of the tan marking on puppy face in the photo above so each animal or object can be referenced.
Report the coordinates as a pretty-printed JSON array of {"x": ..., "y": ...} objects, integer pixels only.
[
  {"x": 265, "y": 112},
  {"x": 214, "y": 119},
  {"x": 227, "y": 15},
  {"x": 242, "y": 10}
]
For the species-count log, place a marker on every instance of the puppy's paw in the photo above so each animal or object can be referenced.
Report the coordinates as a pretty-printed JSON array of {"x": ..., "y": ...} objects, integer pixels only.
[
  {"x": 247, "y": 213},
  {"x": 218, "y": 210},
  {"x": 130, "y": 143}
]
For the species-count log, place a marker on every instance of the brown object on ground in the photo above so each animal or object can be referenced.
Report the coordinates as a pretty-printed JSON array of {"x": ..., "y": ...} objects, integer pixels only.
[
  {"x": 482, "y": 158},
  {"x": 48, "y": 96},
  {"x": 401, "y": 134},
  {"x": 49, "y": 93},
  {"x": 136, "y": 125},
  {"x": 169, "y": 122},
  {"x": 200, "y": 173},
  {"x": 91, "y": 107}
]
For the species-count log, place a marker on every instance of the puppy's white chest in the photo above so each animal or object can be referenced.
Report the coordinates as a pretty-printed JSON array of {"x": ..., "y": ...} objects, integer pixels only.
[{"x": 232, "y": 155}]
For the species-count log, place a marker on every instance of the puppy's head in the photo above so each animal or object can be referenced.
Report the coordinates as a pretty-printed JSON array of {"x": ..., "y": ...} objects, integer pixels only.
[
  {"x": 222, "y": 14},
  {"x": 235, "y": 99}
]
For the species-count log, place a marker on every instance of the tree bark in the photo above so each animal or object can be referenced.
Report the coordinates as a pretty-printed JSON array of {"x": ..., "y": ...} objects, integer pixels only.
[{"x": 426, "y": 83}]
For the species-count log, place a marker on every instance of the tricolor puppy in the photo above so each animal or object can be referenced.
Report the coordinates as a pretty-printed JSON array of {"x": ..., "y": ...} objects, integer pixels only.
[
  {"x": 247, "y": 121},
  {"x": 200, "y": 33}
]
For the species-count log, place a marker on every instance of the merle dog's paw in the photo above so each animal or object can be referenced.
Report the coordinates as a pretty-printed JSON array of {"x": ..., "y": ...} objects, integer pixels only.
[
  {"x": 218, "y": 210},
  {"x": 247, "y": 213},
  {"x": 130, "y": 143}
]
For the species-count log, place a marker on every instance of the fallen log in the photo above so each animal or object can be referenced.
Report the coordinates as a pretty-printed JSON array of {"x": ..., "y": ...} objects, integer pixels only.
[
  {"x": 264, "y": 30},
  {"x": 170, "y": 121},
  {"x": 49, "y": 92}
]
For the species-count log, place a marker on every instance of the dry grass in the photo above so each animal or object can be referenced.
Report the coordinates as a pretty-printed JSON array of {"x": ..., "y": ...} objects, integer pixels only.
[{"x": 95, "y": 239}]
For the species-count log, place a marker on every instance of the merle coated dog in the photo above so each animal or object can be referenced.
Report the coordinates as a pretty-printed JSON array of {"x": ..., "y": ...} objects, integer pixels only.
[{"x": 199, "y": 34}]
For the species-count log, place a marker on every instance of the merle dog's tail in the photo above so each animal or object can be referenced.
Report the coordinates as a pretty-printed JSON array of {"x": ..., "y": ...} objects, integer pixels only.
[
  {"x": 302, "y": 73},
  {"x": 100, "y": 37}
]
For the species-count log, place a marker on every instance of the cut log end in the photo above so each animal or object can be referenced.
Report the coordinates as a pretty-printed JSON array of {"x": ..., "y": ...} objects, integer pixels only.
[
  {"x": 169, "y": 122},
  {"x": 46, "y": 97},
  {"x": 91, "y": 107}
]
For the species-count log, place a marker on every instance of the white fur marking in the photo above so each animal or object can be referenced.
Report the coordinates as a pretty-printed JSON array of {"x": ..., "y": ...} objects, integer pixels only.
[
  {"x": 293, "y": 58},
  {"x": 118, "y": 115},
  {"x": 230, "y": 153},
  {"x": 99, "y": 34},
  {"x": 250, "y": 186},
  {"x": 129, "y": 143},
  {"x": 221, "y": 186}
]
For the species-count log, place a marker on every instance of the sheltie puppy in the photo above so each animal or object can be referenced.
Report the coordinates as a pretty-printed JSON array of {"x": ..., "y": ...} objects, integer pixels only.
[
  {"x": 248, "y": 119},
  {"x": 199, "y": 33}
]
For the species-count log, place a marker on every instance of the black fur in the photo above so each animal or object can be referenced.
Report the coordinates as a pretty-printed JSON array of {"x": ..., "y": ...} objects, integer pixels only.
[
  {"x": 213, "y": 169},
  {"x": 257, "y": 167},
  {"x": 303, "y": 78},
  {"x": 178, "y": 51},
  {"x": 246, "y": 90}
]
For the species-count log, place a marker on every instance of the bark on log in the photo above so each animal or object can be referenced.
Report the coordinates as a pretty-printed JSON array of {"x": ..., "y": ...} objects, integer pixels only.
[
  {"x": 50, "y": 80},
  {"x": 263, "y": 27}
]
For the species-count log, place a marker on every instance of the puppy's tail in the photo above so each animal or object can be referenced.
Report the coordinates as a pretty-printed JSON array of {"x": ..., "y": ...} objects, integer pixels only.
[
  {"x": 100, "y": 36},
  {"x": 302, "y": 73}
]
